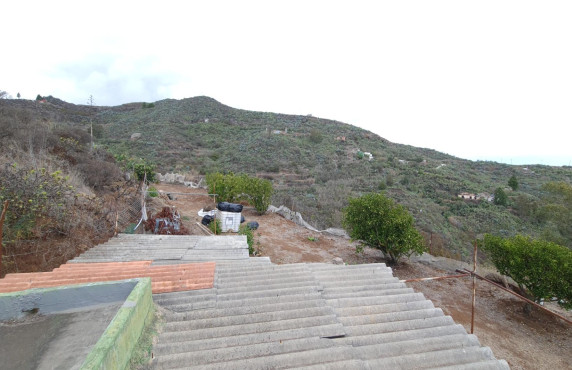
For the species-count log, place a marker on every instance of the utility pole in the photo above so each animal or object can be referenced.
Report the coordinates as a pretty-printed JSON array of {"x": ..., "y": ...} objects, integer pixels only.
[{"x": 90, "y": 102}]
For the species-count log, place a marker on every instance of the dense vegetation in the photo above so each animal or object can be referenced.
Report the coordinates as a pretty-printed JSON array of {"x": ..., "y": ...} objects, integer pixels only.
[
  {"x": 315, "y": 167},
  {"x": 62, "y": 194}
]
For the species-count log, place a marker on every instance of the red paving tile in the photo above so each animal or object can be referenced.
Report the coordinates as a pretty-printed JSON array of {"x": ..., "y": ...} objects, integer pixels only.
[{"x": 164, "y": 279}]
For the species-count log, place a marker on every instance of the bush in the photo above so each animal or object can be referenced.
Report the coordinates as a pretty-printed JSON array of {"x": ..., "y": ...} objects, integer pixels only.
[
  {"x": 152, "y": 192},
  {"x": 316, "y": 136},
  {"x": 233, "y": 188},
  {"x": 380, "y": 223},
  {"x": 245, "y": 230},
  {"x": 144, "y": 170},
  {"x": 541, "y": 269},
  {"x": 215, "y": 227},
  {"x": 37, "y": 198}
]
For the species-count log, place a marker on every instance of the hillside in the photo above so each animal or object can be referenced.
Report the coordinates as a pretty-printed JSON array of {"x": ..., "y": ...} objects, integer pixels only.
[{"x": 315, "y": 166}]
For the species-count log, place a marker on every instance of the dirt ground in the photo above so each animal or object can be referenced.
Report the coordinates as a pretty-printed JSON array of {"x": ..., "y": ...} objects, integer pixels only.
[{"x": 526, "y": 341}]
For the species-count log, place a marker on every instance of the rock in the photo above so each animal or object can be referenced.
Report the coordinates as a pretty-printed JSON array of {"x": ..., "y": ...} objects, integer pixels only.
[
  {"x": 135, "y": 136},
  {"x": 338, "y": 261}
]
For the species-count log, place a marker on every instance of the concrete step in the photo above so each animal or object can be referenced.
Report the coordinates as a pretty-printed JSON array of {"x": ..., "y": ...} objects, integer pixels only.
[
  {"x": 264, "y": 260},
  {"x": 232, "y": 272},
  {"x": 176, "y": 343},
  {"x": 352, "y": 276},
  {"x": 265, "y": 327},
  {"x": 330, "y": 266},
  {"x": 279, "y": 299},
  {"x": 87, "y": 266},
  {"x": 380, "y": 309},
  {"x": 229, "y": 283},
  {"x": 422, "y": 345},
  {"x": 264, "y": 286},
  {"x": 225, "y": 354},
  {"x": 392, "y": 337},
  {"x": 338, "y": 365},
  {"x": 358, "y": 283},
  {"x": 482, "y": 365},
  {"x": 245, "y": 310},
  {"x": 387, "y": 284},
  {"x": 185, "y": 298},
  {"x": 165, "y": 346},
  {"x": 391, "y": 316},
  {"x": 266, "y": 293},
  {"x": 282, "y": 361},
  {"x": 449, "y": 357},
  {"x": 394, "y": 326},
  {"x": 368, "y": 293},
  {"x": 372, "y": 301},
  {"x": 217, "y": 322}
]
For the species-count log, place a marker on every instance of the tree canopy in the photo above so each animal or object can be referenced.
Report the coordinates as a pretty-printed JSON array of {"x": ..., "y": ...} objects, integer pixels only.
[
  {"x": 501, "y": 198},
  {"x": 380, "y": 223}
]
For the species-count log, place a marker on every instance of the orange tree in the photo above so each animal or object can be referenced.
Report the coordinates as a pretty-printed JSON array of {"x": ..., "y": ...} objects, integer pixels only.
[
  {"x": 542, "y": 269},
  {"x": 379, "y": 222}
]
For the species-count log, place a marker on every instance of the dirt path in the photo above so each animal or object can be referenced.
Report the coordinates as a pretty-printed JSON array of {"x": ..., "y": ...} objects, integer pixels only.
[{"x": 535, "y": 341}]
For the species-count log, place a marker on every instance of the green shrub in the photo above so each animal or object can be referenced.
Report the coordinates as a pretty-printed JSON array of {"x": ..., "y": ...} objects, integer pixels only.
[
  {"x": 234, "y": 188},
  {"x": 152, "y": 192},
  {"x": 35, "y": 195},
  {"x": 316, "y": 136},
  {"x": 541, "y": 269},
  {"x": 380, "y": 223},
  {"x": 144, "y": 170},
  {"x": 245, "y": 230},
  {"x": 215, "y": 227}
]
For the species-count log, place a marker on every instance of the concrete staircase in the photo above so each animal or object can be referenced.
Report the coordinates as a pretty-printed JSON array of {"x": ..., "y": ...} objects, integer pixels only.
[
  {"x": 315, "y": 316},
  {"x": 168, "y": 249},
  {"x": 258, "y": 315}
]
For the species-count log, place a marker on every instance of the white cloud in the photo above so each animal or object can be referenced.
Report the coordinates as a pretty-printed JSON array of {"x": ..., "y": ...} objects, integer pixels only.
[{"x": 478, "y": 80}]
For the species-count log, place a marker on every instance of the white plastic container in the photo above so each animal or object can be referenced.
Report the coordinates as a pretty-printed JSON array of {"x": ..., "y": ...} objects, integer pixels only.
[{"x": 229, "y": 221}]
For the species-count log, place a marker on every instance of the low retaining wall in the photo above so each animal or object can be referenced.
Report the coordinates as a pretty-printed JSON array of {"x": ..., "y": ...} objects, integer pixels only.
[{"x": 114, "y": 348}]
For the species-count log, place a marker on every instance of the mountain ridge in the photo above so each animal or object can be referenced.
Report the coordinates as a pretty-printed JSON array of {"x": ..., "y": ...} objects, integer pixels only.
[{"x": 315, "y": 165}]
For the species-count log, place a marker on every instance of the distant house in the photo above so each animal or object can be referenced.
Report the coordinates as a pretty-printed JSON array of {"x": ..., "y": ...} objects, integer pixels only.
[
  {"x": 469, "y": 196},
  {"x": 341, "y": 138}
]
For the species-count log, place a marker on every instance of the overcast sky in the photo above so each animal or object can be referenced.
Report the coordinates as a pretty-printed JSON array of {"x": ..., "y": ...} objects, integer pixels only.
[{"x": 489, "y": 80}]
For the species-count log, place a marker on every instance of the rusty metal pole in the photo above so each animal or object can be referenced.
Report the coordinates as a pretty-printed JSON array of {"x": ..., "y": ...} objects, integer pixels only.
[
  {"x": 474, "y": 288},
  {"x": 517, "y": 295},
  {"x": 4, "y": 209}
]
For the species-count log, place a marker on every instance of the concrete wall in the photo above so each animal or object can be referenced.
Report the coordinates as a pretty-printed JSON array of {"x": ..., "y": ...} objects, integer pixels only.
[{"x": 114, "y": 348}]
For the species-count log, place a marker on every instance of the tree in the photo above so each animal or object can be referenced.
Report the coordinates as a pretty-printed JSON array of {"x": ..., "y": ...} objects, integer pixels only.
[
  {"x": 380, "y": 223},
  {"x": 501, "y": 198},
  {"x": 18, "y": 95},
  {"x": 513, "y": 183},
  {"x": 4, "y": 95},
  {"x": 541, "y": 269}
]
